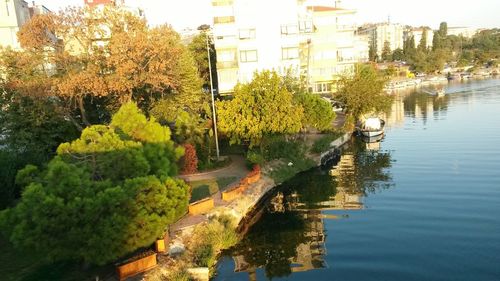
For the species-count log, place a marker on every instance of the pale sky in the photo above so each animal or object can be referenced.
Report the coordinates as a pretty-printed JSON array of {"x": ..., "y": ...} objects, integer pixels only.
[{"x": 192, "y": 13}]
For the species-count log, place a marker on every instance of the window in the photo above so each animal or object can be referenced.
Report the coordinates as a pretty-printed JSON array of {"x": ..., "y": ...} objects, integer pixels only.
[
  {"x": 289, "y": 29},
  {"x": 228, "y": 19},
  {"x": 306, "y": 26},
  {"x": 289, "y": 53},
  {"x": 226, "y": 55},
  {"x": 322, "y": 87},
  {"x": 248, "y": 56},
  {"x": 248, "y": 33}
]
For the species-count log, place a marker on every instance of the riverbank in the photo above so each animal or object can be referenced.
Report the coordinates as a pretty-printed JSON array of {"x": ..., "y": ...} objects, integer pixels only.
[{"x": 238, "y": 209}]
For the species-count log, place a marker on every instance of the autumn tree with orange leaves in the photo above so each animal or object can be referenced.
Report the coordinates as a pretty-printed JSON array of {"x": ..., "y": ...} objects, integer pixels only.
[{"x": 93, "y": 61}]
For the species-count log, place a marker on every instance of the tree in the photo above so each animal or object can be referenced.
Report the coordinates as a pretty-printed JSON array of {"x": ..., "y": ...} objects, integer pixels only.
[
  {"x": 422, "y": 45},
  {"x": 409, "y": 49},
  {"x": 97, "y": 60},
  {"x": 318, "y": 113},
  {"x": 190, "y": 160},
  {"x": 386, "y": 52},
  {"x": 398, "y": 55},
  {"x": 198, "y": 48},
  {"x": 362, "y": 94},
  {"x": 263, "y": 106},
  {"x": 372, "y": 51},
  {"x": 103, "y": 196},
  {"x": 443, "y": 29}
]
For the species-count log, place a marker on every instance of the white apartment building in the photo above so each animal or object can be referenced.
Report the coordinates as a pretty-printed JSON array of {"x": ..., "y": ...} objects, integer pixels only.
[
  {"x": 380, "y": 33},
  {"x": 466, "y": 32},
  {"x": 331, "y": 47},
  {"x": 13, "y": 15},
  {"x": 286, "y": 35}
]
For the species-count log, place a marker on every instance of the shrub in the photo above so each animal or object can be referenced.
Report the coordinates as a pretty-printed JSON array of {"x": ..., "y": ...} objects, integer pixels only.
[
  {"x": 323, "y": 144},
  {"x": 254, "y": 157},
  {"x": 190, "y": 162}
]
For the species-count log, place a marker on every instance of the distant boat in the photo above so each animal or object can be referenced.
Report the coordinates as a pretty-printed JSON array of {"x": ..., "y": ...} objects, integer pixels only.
[
  {"x": 438, "y": 92},
  {"x": 371, "y": 127}
]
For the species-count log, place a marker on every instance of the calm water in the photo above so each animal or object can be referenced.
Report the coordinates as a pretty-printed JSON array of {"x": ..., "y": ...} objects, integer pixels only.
[{"x": 423, "y": 204}]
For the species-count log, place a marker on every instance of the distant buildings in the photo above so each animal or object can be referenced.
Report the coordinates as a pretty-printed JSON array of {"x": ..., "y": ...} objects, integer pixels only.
[
  {"x": 315, "y": 42},
  {"x": 467, "y": 32},
  {"x": 380, "y": 33},
  {"x": 13, "y": 15}
]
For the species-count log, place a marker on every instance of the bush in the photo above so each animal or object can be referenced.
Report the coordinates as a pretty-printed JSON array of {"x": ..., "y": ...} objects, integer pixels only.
[
  {"x": 254, "y": 157},
  {"x": 210, "y": 239},
  {"x": 190, "y": 160}
]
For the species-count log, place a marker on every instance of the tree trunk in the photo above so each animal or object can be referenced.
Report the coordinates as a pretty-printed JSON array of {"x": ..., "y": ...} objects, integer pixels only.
[{"x": 83, "y": 112}]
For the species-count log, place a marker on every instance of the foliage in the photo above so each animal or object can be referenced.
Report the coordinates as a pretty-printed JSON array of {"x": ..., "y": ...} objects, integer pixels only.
[
  {"x": 104, "y": 195},
  {"x": 323, "y": 144},
  {"x": 372, "y": 51},
  {"x": 386, "y": 52},
  {"x": 422, "y": 45},
  {"x": 362, "y": 93},
  {"x": 95, "y": 60},
  {"x": 209, "y": 240},
  {"x": 398, "y": 55},
  {"x": 190, "y": 160},
  {"x": 198, "y": 47},
  {"x": 263, "y": 106},
  {"x": 318, "y": 113}
]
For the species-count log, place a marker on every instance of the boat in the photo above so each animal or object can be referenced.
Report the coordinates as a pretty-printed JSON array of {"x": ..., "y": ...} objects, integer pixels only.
[
  {"x": 371, "y": 127},
  {"x": 438, "y": 92}
]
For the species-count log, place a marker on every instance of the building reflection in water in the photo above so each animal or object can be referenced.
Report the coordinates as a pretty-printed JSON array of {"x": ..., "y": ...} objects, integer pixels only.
[
  {"x": 415, "y": 104},
  {"x": 290, "y": 235}
]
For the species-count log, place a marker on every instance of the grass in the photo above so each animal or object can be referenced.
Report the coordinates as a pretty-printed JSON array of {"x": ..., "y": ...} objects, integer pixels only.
[
  {"x": 323, "y": 144},
  {"x": 21, "y": 266},
  {"x": 283, "y": 172},
  {"x": 205, "y": 188}
]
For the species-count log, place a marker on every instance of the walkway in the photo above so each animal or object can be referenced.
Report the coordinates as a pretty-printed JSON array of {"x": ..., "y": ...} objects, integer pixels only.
[{"x": 237, "y": 168}]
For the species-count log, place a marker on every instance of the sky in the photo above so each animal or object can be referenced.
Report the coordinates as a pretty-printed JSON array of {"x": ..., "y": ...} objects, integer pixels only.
[{"x": 192, "y": 13}]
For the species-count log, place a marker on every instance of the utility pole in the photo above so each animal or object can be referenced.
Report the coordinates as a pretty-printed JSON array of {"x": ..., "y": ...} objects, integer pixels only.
[{"x": 213, "y": 100}]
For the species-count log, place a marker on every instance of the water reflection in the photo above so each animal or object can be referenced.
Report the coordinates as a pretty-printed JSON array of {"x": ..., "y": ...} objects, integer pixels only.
[{"x": 290, "y": 235}]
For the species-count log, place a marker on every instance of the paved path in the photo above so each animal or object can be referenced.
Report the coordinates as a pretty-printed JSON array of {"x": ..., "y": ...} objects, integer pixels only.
[{"x": 237, "y": 168}]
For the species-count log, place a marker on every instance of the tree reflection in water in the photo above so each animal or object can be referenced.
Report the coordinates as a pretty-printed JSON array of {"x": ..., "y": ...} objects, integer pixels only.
[{"x": 290, "y": 236}]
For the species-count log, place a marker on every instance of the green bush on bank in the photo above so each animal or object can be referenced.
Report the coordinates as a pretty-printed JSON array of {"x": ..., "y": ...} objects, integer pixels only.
[
  {"x": 210, "y": 239},
  {"x": 323, "y": 144}
]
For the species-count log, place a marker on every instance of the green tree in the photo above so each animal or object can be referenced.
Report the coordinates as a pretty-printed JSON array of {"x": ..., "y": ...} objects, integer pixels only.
[
  {"x": 362, "y": 94},
  {"x": 386, "y": 52},
  {"x": 263, "y": 106},
  {"x": 409, "y": 49},
  {"x": 422, "y": 45},
  {"x": 198, "y": 48},
  {"x": 443, "y": 29},
  {"x": 372, "y": 51},
  {"x": 318, "y": 113},
  {"x": 398, "y": 55},
  {"x": 103, "y": 196}
]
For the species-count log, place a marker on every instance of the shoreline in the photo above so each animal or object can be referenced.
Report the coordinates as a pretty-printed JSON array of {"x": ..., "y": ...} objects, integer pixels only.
[{"x": 244, "y": 209}]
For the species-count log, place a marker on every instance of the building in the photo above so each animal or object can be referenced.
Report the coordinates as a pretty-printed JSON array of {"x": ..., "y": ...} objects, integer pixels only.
[
  {"x": 330, "y": 48},
  {"x": 380, "y": 33},
  {"x": 100, "y": 4},
  {"x": 466, "y": 32},
  {"x": 316, "y": 42},
  {"x": 13, "y": 15},
  {"x": 96, "y": 3}
]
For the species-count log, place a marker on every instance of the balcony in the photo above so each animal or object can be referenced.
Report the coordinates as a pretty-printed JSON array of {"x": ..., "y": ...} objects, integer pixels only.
[{"x": 227, "y": 64}]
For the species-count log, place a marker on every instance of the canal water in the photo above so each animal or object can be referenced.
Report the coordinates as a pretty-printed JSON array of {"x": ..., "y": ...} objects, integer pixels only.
[{"x": 421, "y": 204}]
